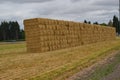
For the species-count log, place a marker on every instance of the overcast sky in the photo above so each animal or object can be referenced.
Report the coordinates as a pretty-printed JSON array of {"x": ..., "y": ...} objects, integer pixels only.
[{"x": 75, "y": 10}]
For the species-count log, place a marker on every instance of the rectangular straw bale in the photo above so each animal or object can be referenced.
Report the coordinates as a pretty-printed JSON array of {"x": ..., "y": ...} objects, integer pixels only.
[
  {"x": 59, "y": 22},
  {"x": 63, "y": 22},
  {"x": 55, "y": 22},
  {"x": 54, "y": 27},
  {"x": 66, "y": 23},
  {"x": 58, "y": 27},
  {"x": 30, "y": 22},
  {"x": 41, "y": 21},
  {"x": 50, "y": 22}
]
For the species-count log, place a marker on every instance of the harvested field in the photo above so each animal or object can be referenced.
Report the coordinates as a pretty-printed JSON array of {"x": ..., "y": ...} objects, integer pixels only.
[{"x": 17, "y": 64}]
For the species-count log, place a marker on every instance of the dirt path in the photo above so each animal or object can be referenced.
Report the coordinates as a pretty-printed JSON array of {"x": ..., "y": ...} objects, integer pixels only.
[
  {"x": 86, "y": 73},
  {"x": 115, "y": 75}
]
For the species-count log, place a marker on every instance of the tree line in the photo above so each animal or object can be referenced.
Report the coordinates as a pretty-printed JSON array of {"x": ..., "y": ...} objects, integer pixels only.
[
  {"x": 113, "y": 23},
  {"x": 11, "y": 31}
]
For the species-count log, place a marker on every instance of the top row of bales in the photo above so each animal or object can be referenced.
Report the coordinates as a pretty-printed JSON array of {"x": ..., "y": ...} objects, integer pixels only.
[
  {"x": 44, "y": 21},
  {"x": 61, "y": 23}
]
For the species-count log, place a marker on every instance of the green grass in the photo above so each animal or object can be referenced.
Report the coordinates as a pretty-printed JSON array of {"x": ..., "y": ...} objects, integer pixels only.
[{"x": 13, "y": 46}]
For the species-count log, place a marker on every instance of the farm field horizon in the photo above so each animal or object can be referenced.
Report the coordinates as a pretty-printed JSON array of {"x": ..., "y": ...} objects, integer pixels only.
[{"x": 17, "y": 64}]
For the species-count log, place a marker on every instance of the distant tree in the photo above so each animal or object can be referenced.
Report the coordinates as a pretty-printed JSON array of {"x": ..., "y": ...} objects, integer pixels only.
[
  {"x": 119, "y": 27},
  {"x": 22, "y": 34},
  {"x": 116, "y": 24},
  {"x": 85, "y": 21},
  {"x": 11, "y": 31},
  {"x": 89, "y": 22},
  {"x": 95, "y": 23},
  {"x": 15, "y": 30},
  {"x": 103, "y": 24},
  {"x": 110, "y": 23},
  {"x": 5, "y": 30},
  {"x": 10, "y": 28},
  {"x": 0, "y": 33}
]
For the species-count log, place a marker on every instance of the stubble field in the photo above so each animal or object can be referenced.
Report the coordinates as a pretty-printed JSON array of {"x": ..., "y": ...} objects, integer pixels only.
[{"x": 17, "y": 64}]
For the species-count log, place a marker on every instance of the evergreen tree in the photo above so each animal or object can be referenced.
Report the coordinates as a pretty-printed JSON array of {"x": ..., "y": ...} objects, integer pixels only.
[
  {"x": 0, "y": 33},
  {"x": 110, "y": 23},
  {"x": 89, "y": 22},
  {"x": 116, "y": 23},
  {"x": 95, "y": 23},
  {"x": 11, "y": 31},
  {"x": 5, "y": 30},
  {"x": 85, "y": 21},
  {"x": 119, "y": 27},
  {"x": 22, "y": 34},
  {"x": 103, "y": 24},
  {"x": 15, "y": 30}
]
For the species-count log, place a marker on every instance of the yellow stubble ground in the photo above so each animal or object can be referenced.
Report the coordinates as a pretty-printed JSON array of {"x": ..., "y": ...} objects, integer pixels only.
[{"x": 16, "y": 63}]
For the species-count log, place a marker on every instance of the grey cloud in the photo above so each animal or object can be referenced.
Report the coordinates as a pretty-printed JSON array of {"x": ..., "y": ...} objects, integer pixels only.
[
  {"x": 76, "y": 10},
  {"x": 25, "y": 1},
  {"x": 106, "y": 2},
  {"x": 75, "y": 0}
]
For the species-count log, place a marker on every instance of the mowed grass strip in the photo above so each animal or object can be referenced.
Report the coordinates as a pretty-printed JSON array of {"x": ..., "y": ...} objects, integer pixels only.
[
  {"x": 100, "y": 73},
  {"x": 103, "y": 70},
  {"x": 52, "y": 65},
  {"x": 13, "y": 47}
]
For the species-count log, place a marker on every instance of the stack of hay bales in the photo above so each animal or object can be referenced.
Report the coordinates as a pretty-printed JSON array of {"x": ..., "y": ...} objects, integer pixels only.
[{"x": 47, "y": 35}]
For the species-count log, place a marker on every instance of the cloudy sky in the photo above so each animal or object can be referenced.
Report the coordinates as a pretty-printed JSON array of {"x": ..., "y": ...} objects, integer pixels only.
[{"x": 75, "y": 10}]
